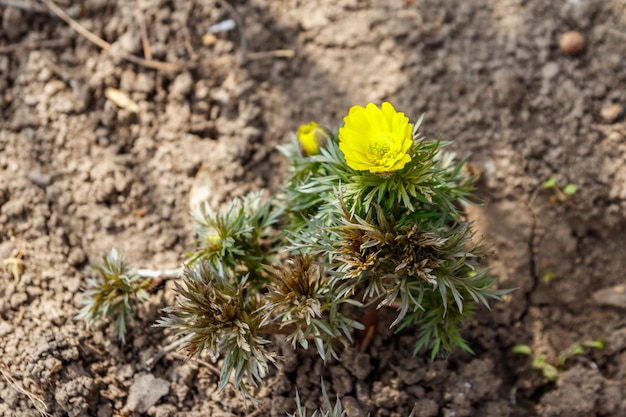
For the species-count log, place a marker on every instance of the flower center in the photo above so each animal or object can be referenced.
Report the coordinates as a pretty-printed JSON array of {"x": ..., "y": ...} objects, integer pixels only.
[{"x": 379, "y": 148}]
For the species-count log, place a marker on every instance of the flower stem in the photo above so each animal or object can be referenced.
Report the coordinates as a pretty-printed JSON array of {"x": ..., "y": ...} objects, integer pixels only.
[{"x": 366, "y": 335}]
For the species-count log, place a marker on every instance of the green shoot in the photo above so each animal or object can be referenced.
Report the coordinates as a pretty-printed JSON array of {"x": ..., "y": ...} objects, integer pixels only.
[{"x": 112, "y": 292}]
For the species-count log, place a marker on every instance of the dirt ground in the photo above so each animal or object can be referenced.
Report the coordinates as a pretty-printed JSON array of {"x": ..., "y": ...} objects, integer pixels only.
[{"x": 79, "y": 175}]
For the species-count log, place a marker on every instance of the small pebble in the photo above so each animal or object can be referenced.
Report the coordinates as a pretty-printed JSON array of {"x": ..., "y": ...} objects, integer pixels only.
[
  {"x": 612, "y": 113},
  {"x": 550, "y": 70},
  {"x": 130, "y": 42},
  {"x": 351, "y": 407},
  {"x": 572, "y": 42},
  {"x": 181, "y": 86},
  {"x": 145, "y": 392},
  {"x": 208, "y": 39},
  {"x": 614, "y": 296}
]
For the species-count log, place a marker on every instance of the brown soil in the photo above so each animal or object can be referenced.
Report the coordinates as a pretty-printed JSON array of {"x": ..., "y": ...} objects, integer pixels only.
[{"x": 79, "y": 175}]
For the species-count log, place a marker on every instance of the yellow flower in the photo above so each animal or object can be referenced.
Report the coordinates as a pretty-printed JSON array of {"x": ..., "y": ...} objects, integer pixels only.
[
  {"x": 375, "y": 139},
  {"x": 311, "y": 137}
]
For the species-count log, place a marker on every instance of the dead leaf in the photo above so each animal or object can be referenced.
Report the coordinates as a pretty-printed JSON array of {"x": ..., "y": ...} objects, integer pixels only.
[
  {"x": 121, "y": 100},
  {"x": 203, "y": 188}
]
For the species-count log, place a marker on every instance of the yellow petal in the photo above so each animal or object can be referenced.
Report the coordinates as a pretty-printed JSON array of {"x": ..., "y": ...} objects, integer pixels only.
[
  {"x": 359, "y": 166},
  {"x": 377, "y": 119},
  {"x": 389, "y": 111},
  {"x": 354, "y": 139},
  {"x": 357, "y": 119},
  {"x": 401, "y": 163},
  {"x": 352, "y": 155}
]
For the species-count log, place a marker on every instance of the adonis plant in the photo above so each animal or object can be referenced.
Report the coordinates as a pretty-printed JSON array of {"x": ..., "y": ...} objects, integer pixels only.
[{"x": 370, "y": 217}]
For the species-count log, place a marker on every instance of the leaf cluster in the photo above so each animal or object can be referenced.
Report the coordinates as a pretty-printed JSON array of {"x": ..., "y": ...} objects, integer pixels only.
[
  {"x": 303, "y": 301},
  {"x": 398, "y": 240},
  {"x": 112, "y": 291},
  {"x": 237, "y": 236},
  {"x": 217, "y": 313}
]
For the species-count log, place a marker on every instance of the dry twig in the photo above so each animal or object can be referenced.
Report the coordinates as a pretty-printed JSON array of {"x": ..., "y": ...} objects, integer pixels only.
[
  {"x": 187, "y": 33},
  {"x": 143, "y": 30},
  {"x": 164, "y": 350},
  {"x": 170, "y": 348},
  {"x": 208, "y": 365},
  {"x": 81, "y": 30},
  {"x": 277, "y": 53},
  {"x": 41, "y": 44},
  {"x": 37, "y": 402}
]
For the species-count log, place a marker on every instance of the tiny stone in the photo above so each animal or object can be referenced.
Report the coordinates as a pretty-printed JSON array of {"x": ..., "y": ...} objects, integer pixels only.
[
  {"x": 363, "y": 393},
  {"x": 427, "y": 408},
  {"x": 201, "y": 90},
  {"x": 13, "y": 23},
  {"x": 363, "y": 365},
  {"x": 208, "y": 39},
  {"x": 13, "y": 208},
  {"x": 53, "y": 87},
  {"x": 613, "y": 296},
  {"x": 351, "y": 407},
  {"x": 105, "y": 410},
  {"x": 186, "y": 373},
  {"x": 509, "y": 88},
  {"x": 124, "y": 372},
  {"x": 6, "y": 249},
  {"x": 572, "y": 43},
  {"x": 146, "y": 392},
  {"x": 130, "y": 42},
  {"x": 144, "y": 83},
  {"x": 181, "y": 86},
  {"x": 128, "y": 80},
  {"x": 550, "y": 70},
  {"x": 281, "y": 406},
  {"x": 612, "y": 113},
  {"x": 76, "y": 256},
  {"x": 94, "y": 5},
  {"x": 5, "y": 328}
]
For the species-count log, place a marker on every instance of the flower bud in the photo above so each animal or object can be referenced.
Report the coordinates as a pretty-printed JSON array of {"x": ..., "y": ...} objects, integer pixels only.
[{"x": 312, "y": 137}]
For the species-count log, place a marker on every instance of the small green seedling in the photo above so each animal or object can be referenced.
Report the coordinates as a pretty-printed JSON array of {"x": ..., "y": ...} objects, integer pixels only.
[
  {"x": 539, "y": 363},
  {"x": 548, "y": 276},
  {"x": 522, "y": 350},
  {"x": 594, "y": 344},
  {"x": 549, "y": 371},
  {"x": 575, "y": 350},
  {"x": 579, "y": 349},
  {"x": 550, "y": 183},
  {"x": 570, "y": 189},
  {"x": 560, "y": 195}
]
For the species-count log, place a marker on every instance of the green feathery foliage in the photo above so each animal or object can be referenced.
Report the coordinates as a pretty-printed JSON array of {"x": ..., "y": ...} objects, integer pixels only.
[
  {"x": 216, "y": 312},
  {"x": 236, "y": 237},
  {"x": 112, "y": 291},
  {"x": 373, "y": 219},
  {"x": 302, "y": 300}
]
